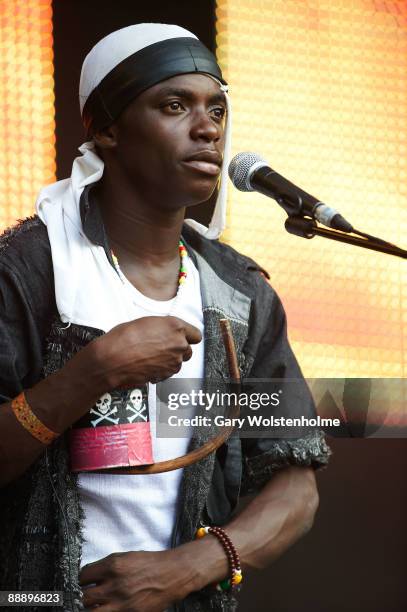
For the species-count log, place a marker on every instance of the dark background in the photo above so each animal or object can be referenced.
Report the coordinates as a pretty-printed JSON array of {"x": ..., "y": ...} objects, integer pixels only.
[{"x": 355, "y": 558}]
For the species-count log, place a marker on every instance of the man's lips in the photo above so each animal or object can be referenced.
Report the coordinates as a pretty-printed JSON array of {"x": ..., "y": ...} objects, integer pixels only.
[
  {"x": 208, "y": 162},
  {"x": 201, "y": 166}
]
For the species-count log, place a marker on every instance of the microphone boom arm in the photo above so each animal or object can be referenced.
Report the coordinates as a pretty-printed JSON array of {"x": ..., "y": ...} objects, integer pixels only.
[{"x": 307, "y": 228}]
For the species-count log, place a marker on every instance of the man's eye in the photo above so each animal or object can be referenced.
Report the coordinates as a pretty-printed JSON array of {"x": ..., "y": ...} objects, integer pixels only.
[
  {"x": 174, "y": 106},
  {"x": 219, "y": 112}
]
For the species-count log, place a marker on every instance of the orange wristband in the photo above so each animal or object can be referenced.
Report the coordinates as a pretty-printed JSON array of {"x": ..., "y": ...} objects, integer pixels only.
[{"x": 30, "y": 422}]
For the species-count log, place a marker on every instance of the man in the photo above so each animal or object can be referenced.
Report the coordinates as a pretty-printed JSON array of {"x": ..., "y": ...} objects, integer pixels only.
[{"x": 92, "y": 302}]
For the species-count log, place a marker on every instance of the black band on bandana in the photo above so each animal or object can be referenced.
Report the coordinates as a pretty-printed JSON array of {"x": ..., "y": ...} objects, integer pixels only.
[{"x": 142, "y": 70}]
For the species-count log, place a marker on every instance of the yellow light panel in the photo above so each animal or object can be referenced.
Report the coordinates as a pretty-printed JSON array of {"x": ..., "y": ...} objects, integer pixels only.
[
  {"x": 319, "y": 88},
  {"x": 27, "y": 140}
]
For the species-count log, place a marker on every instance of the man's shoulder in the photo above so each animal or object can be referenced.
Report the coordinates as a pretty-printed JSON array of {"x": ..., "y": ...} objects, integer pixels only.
[
  {"x": 25, "y": 243},
  {"x": 23, "y": 233},
  {"x": 26, "y": 261}
]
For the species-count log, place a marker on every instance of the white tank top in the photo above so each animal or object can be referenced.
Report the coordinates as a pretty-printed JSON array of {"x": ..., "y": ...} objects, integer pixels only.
[{"x": 137, "y": 512}]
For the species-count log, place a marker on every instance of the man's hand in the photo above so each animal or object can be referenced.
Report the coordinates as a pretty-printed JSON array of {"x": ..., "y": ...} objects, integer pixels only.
[
  {"x": 137, "y": 581},
  {"x": 149, "y": 349},
  {"x": 151, "y": 581}
]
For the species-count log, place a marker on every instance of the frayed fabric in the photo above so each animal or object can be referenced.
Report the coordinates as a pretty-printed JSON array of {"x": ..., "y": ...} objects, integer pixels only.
[{"x": 41, "y": 519}]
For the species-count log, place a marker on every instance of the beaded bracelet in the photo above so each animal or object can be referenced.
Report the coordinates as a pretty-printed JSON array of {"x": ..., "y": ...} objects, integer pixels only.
[
  {"x": 30, "y": 422},
  {"x": 231, "y": 553}
]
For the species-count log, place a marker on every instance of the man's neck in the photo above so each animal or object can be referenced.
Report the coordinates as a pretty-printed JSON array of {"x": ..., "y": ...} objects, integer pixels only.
[
  {"x": 143, "y": 237},
  {"x": 139, "y": 230}
]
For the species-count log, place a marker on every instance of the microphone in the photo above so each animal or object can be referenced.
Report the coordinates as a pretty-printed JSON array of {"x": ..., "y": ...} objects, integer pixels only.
[{"x": 250, "y": 172}]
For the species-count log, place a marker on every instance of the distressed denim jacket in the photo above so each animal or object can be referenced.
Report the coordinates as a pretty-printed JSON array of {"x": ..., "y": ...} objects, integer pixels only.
[{"x": 40, "y": 513}]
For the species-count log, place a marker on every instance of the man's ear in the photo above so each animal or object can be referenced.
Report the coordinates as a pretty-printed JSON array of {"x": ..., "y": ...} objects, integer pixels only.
[{"x": 106, "y": 138}]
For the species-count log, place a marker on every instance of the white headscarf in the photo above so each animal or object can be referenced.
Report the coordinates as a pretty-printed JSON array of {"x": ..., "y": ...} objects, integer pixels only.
[{"x": 86, "y": 287}]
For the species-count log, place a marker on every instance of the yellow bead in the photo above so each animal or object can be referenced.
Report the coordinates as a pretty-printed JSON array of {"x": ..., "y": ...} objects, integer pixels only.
[
  {"x": 237, "y": 578},
  {"x": 200, "y": 533}
]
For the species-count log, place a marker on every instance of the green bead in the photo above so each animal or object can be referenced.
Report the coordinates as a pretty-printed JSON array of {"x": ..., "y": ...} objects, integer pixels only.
[{"x": 225, "y": 584}]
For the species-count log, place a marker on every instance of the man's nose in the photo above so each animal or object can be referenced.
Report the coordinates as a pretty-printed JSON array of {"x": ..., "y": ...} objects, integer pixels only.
[{"x": 204, "y": 127}]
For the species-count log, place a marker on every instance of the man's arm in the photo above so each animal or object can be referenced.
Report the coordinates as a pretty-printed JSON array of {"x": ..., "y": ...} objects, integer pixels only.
[
  {"x": 277, "y": 517},
  {"x": 274, "y": 519},
  {"x": 58, "y": 401},
  {"x": 130, "y": 355}
]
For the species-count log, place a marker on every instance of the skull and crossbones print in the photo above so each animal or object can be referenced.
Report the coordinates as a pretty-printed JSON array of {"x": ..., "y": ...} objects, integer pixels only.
[
  {"x": 136, "y": 406},
  {"x": 103, "y": 409},
  {"x": 120, "y": 403}
]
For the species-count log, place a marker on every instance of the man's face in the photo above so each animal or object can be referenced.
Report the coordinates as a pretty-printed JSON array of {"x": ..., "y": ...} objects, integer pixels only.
[{"x": 170, "y": 140}]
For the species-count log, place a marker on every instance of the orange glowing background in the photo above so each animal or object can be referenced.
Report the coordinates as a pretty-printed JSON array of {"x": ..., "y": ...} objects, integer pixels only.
[
  {"x": 319, "y": 88},
  {"x": 27, "y": 150}
]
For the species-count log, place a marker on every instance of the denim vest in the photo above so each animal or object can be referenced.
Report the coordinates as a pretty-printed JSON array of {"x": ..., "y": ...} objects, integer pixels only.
[{"x": 41, "y": 518}]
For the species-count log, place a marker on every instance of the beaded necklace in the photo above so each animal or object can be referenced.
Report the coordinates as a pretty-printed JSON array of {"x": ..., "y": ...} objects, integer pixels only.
[{"x": 182, "y": 274}]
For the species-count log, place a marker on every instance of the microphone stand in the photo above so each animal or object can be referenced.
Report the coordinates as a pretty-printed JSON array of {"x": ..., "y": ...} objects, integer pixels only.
[{"x": 308, "y": 228}]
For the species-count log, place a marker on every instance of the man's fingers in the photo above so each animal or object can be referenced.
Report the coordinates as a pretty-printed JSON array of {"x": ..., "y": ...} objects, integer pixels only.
[
  {"x": 93, "y": 596},
  {"x": 92, "y": 573},
  {"x": 192, "y": 334},
  {"x": 187, "y": 354}
]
